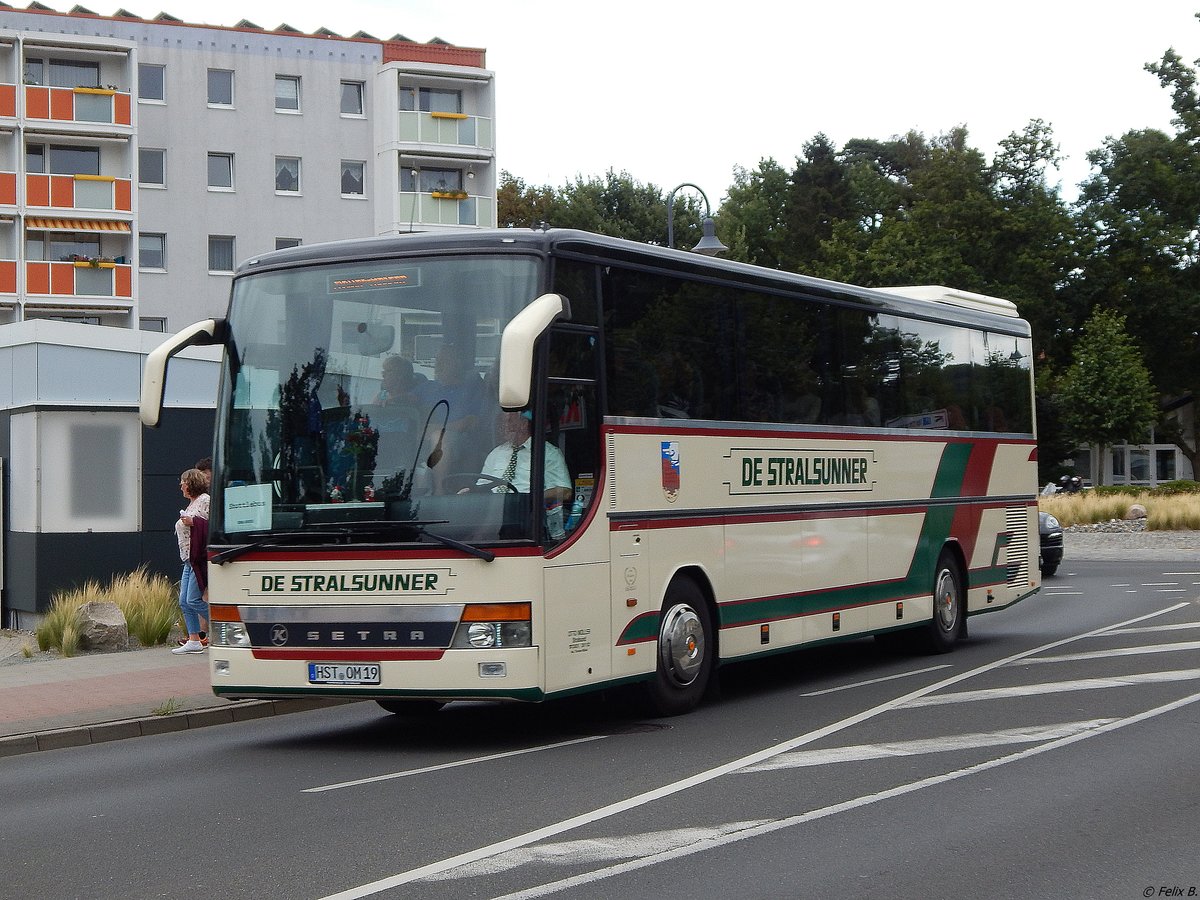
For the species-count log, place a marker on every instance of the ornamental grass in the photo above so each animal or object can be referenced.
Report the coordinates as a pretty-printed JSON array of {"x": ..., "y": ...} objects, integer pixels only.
[
  {"x": 1164, "y": 511},
  {"x": 150, "y": 604}
]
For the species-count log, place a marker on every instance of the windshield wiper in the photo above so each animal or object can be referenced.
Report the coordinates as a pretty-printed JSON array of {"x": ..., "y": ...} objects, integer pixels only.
[
  {"x": 344, "y": 529},
  {"x": 278, "y": 537}
]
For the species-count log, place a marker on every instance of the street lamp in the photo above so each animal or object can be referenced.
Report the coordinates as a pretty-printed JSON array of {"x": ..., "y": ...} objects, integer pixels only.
[{"x": 710, "y": 244}]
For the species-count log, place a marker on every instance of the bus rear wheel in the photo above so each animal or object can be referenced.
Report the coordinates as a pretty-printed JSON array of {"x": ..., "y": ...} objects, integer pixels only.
[
  {"x": 949, "y": 606},
  {"x": 685, "y": 651}
]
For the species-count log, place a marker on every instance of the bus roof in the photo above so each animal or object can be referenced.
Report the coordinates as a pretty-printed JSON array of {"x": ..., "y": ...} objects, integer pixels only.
[{"x": 921, "y": 301}]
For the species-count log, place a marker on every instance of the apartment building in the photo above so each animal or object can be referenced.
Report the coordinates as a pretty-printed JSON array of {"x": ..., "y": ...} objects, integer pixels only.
[{"x": 140, "y": 161}]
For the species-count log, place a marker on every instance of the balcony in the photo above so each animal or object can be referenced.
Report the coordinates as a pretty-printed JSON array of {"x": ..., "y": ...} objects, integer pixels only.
[
  {"x": 80, "y": 280},
  {"x": 81, "y": 192},
  {"x": 8, "y": 101},
  {"x": 8, "y": 188},
  {"x": 82, "y": 105},
  {"x": 452, "y": 129},
  {"x": 446, "y": 209},
  {"x": 8, "y": 277}
]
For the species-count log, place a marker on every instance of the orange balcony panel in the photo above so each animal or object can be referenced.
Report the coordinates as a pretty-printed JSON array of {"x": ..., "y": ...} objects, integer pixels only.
[
  {"x": 62, "y": 279},
  {"x": 37, "y": 277},
  {"x": 8, "y": 187},
  {"x": 37, "y": 102},
  {"x": 122, "y": 195},
  {"x": 37, "y": 190},
  {"x": 8, "y": 99},
  {"x": 62, "y": 104},
  {"x": 8, "y": 276},
  {"x": 62, "y": 191},
  {"x": 121, "y": 113},
  {"x": 123, "y": 281}
]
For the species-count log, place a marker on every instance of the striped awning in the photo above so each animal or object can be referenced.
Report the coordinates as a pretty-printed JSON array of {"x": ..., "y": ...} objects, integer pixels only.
[{"x": 40, "y": 224}]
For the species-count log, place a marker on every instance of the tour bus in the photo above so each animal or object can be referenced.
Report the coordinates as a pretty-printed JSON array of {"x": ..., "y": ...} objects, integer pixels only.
[{"x": 520, "y": 464}]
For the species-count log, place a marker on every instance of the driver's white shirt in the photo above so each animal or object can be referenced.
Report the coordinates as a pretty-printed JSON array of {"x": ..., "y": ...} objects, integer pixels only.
[{"x": 556, "y": 466}]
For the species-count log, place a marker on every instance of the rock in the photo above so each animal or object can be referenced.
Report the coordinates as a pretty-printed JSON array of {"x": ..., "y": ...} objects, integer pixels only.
[
  {"x": 1136, "y": 511},
  {"x": 103, "y": 628}
]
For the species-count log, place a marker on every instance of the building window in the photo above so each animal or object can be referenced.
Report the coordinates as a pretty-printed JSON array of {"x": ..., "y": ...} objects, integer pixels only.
[
  {"x": 426, "y": 180},
  {"x": 152, "y": 167},
  {"x": 153, "y": 323},
  {"x": 287, "y": 93},
  {"x": 35, "y": 158},
  {"x": 220, "y": 171},
  {"x": 152, "y": 82},
  {"x": 430, "y": 100},
  {"x": 220, "y": 253},
  {"x": 62, "y": 73},
  {"x": 287, "y": 174},
  {"x": 352, "y": 98},
  {"x": 285, "y": 243},
  {"x": 72, "y": 160},
  {"x": 152, "y": 251},
  {"x": 353, "y": 173},
  {"x": 220, "y": 87}
]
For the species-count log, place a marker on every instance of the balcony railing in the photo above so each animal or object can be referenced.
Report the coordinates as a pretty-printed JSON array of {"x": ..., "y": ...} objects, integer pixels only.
[
  {"x": 8, "y": 188},
  {"x": 92, "y": 106},
  {"x": 79, "y": 192},
  {"x": 8, "y": 276},
  {"x": 453, "y": 129},
  {"x": 432, "y": 209},
  {"x": 79, "y": 278},
  {"x": 8, "y": 100}
]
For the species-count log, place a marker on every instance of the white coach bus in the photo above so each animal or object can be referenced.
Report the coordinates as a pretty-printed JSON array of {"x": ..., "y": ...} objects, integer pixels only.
[{"x": 730, "y": 462}]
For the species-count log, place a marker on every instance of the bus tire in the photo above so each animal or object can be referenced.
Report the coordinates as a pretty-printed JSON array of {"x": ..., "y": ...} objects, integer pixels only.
[
  {"x": 949, "y": 605},
  {"x": 414, "y": 708},
  {"x": 684, "y": 652}
]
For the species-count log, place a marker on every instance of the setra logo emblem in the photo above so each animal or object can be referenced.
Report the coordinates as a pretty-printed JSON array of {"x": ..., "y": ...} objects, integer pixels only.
[{"x": 279, "y": 635}]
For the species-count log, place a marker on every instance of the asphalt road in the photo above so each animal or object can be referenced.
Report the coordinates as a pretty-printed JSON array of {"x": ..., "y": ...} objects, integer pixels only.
[{"x": 1055, "y": 754}]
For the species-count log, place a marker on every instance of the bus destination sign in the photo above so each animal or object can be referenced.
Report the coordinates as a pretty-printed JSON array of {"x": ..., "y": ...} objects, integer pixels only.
[{"x": 776, "y": 471}]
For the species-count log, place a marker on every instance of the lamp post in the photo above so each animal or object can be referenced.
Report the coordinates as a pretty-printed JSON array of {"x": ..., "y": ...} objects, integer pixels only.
[{"x": 709, "y": 244}]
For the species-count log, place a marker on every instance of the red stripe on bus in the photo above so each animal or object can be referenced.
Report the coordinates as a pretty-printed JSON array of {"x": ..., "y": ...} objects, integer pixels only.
[
  {"x": 716, "y": 519},
  {"x": 380, "y": 555},
  {"x": 859, "y": 436},
  {"x": 327, "y": 655}
]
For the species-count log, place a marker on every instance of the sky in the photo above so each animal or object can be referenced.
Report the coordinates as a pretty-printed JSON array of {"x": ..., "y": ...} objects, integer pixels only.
[{"x": 675, "y": 92}]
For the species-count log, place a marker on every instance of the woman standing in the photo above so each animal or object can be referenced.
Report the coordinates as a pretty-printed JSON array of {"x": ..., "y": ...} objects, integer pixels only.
[{"x": 194, "y": 485}]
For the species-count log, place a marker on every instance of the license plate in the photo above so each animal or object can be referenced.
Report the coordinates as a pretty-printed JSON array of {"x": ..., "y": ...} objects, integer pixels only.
[{"x": 353, "y": 673}]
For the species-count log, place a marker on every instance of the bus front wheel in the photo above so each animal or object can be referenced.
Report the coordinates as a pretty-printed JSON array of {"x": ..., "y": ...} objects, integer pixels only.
[
  {"x": 685, "y": 651},
  {"x": 949, "y": 605}
]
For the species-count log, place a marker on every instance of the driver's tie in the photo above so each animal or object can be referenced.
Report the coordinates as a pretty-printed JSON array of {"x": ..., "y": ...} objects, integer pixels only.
[{"x": 510, "y": 471}]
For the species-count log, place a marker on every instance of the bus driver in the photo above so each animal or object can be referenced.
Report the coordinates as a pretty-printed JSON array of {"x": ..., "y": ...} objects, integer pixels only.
[{"x": 510, "y": 460}]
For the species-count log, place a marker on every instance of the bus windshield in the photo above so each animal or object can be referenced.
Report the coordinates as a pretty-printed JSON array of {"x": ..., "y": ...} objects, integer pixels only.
[{"x": 361, "y": 403}]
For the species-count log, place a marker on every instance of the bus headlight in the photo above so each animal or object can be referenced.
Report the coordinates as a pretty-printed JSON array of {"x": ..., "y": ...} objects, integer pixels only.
[
  {"x": 487, "y": 625},
  {"x": 225, "y": 628}
]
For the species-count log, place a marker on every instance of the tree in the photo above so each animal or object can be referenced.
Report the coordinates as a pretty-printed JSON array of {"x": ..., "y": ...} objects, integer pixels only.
[
  {"x": 519, "y": 205},
  {"x": 1106, "y": 395}
]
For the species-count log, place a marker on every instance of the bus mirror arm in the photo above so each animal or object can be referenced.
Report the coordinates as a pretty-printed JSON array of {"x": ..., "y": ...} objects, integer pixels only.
[
  {"x": 154, "y": 373},
  {"x": 516, "y": 347}
]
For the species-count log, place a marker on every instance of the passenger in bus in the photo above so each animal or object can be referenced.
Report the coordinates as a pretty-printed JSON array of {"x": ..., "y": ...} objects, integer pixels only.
[
  {"x": 510, "y": 461},
  {"x": 467, "y": 408}
]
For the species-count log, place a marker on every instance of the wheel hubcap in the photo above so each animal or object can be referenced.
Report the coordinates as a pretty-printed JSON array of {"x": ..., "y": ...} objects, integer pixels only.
[
  {"x": 681, "y": 645},
  {"x": 946, "y": 601}
]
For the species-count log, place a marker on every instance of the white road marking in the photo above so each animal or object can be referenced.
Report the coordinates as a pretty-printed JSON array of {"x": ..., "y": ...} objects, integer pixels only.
[
  {"x": 1055, "y": 687},
  {"x": 685, "y": 784},
  {"x": 1119, "y": 651},
  {"x": 858, "y": 684},
  {"x": 596, "y": 850},
  {"x": 1160, "y": 583},
  {"x": 847, "y": 806},
  {"x": 1183, "y": 626},
  {"x": 450, "y": 765},
  {"x": 1030, "y": 735},
  {"x": 1054, "y": 593}
]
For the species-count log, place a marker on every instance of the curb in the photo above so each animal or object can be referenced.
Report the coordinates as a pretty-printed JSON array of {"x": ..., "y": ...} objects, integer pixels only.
[{"x": 241, "y": 711}]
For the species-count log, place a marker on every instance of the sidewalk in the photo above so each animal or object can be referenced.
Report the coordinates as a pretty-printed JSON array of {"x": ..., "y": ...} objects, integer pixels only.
[{"x": 46, "y": 704}]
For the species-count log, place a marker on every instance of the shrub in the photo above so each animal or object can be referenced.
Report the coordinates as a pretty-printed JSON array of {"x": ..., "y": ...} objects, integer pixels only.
[{"x": 149, "y": 603}]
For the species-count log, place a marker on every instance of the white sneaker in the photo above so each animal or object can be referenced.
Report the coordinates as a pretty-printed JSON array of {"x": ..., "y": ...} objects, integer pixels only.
[{"x": 189, "y": 647}]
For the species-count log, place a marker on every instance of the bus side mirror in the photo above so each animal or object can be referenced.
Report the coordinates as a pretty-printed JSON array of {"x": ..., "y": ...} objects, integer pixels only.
[
  {"x": 516, "y": 347},
  {"x": 154, "y": 374}
]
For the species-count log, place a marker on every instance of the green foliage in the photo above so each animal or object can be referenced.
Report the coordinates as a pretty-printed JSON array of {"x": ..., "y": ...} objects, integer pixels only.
[{"x": 1106, "y": 394}]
